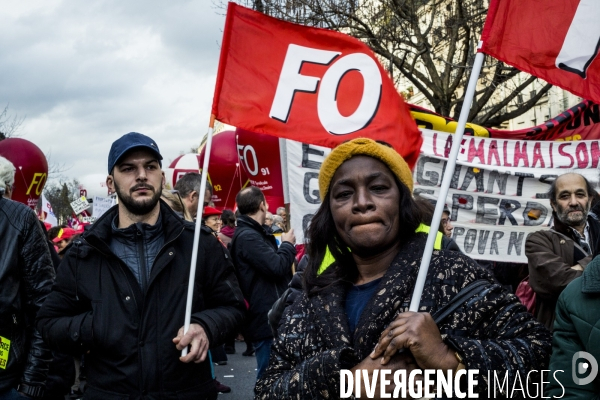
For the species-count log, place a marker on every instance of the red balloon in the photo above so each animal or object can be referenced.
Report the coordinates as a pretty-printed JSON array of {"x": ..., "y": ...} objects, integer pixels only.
[
  {"x": 32, "y": 169},
  {"x": 224, "y": 170},
  {"x": 180, "y": 166},
  {"x": 259, "y": 156}
]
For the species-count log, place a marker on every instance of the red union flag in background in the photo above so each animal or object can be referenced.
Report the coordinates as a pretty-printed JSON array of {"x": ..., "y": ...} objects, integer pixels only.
[
  {"x": 556, "y": 40},
  {"x": 307, "y": 84}
]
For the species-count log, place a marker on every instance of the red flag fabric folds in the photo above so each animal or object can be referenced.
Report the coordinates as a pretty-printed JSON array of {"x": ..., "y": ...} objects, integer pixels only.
[
  {"x": 307, "y": 84},
  {"x": 556, "y": 40}
]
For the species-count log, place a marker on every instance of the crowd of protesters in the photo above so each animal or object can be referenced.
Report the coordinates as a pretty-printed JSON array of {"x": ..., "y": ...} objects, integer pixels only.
[{"x": 107, "y": 303}]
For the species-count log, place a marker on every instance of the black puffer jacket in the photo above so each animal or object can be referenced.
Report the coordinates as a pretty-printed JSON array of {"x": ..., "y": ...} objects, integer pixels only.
[
  {"x": 264, "y": 272},
  {"x": 26, "y": 277},
  {"x": 492, "y": 331},
  {"x": 97, "y": 305}
]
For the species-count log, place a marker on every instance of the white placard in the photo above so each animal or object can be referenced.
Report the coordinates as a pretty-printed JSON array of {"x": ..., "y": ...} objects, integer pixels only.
[
  {"x": 303, "y": 164},
  {"x": 102, "y": 205},
  {"x": 79, "y": 205},
  {"x": 498, "y": 194}
]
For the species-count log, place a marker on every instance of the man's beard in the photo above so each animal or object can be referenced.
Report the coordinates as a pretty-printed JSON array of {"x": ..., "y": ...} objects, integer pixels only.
[
  {"x": 563, "y": 214},
  {"x": 139, "y": 207}
]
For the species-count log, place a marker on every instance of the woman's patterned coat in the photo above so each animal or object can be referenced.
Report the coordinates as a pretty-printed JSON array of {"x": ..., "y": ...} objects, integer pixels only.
[{"x": 492, "y": 331}]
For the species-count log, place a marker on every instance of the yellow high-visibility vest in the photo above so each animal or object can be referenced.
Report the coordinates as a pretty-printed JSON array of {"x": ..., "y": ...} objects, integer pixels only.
[{"x": 329, "y": 259}]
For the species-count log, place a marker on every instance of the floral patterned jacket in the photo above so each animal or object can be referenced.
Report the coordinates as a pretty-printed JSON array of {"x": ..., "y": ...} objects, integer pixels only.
[{"x": 492, "y": 331}]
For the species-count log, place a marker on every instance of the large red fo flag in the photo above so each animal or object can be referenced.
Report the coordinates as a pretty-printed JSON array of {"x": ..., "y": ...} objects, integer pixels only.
[
  {"x": 307, "y": 84},
  {"x": 556, "y": 40}
]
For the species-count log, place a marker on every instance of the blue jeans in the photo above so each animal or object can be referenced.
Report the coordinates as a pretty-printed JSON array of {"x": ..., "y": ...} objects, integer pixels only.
[
  {"x": 11, "y": 394},
  {"x": 263, "y": 351}
]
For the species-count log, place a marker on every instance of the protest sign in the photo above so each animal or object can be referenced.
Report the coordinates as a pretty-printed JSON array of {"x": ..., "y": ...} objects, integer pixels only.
[
  {"x": 101, "y": 205},
  {"x": 80, "y": 205},
  {"x": 303, "y": 163},
  {"x": 498, "y": 194}
]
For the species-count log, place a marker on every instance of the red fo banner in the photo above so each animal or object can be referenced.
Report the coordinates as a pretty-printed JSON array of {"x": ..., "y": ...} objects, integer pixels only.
[
  {"x": 556, "y": 40},
  {"x": 307, "y": 84}
]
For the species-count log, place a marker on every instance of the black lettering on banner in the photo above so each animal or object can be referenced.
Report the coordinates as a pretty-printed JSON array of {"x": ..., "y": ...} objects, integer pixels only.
[
  {"x": 547, "y": 179},
  {"x": 429, "y": 178},
  {"x": 306, "y": 151},
  {"x": 424, "y": 124},
  {"x": 305, "y": 222},
  {"x": 591, "y": 115},
  {"x": 463, "y": 201},
  {"x": 531, "y": 220},
  {"x": 500, "y": 179},
  {"x": 507, "y": 206},
  {"x": 495, "y": 237},
  {"x": 516, "y": 241},
  {"x": 469, "y": 177},
  {"x": 470, "y": 238},
  {"x": 483, "y": 211},
  {"x": 311, "y": 198},
  {"x": 455, "y": 177},
  {"x": 456, "y": 232},
  {"x": 483, "y": 238},
  {"x": 522, "y": 177},
  {"x": 419, "y": 191}
]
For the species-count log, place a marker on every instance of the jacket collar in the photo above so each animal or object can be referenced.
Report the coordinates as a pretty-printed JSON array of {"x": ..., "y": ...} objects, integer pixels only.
[
  {"x": 245, "y": 221},
  {"x": 590, "y": 280},
  {"x": 592, "y": 224},
  {"x": 99, "y": 233}
]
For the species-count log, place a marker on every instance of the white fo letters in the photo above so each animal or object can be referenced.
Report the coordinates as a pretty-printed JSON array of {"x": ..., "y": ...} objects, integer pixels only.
[{"x": 291, "y": 81}]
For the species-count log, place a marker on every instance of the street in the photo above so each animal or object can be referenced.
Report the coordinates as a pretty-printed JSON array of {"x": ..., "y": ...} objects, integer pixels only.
[{"x": 239, "y": 374}]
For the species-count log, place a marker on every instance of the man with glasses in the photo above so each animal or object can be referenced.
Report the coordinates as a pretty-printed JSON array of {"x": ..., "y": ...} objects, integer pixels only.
[{"x": 446, "y": 224}]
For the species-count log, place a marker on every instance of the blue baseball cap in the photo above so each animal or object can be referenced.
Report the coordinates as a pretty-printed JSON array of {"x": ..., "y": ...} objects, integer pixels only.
[{"x": 127, "y": 142}]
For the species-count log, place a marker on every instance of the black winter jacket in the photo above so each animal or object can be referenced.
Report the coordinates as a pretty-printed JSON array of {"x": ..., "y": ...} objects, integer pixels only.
[
  {"x": 98, "y": 306},
  {"x": 264, "y": 272},
  {"x": 26, "y": 277},
  {"x": 491, "y": 331}
]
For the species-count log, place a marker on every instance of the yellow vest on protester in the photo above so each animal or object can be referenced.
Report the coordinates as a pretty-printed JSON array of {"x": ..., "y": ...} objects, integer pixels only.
[{"x": 329, "y": 259}]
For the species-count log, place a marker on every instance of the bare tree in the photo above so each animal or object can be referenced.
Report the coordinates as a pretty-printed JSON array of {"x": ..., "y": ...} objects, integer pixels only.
[
  {"x": 60, "y": 195},
  {"x": 9, "y": 124},
  {"x": 430, "y": 43}
]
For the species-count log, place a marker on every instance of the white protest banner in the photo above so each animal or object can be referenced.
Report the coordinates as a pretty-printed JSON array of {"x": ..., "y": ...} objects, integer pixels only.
[
  {"x": 303, "y": 163},
  {"x": 89, "y": 220},
  {"x": 80, "y": 205},
  {"x": 49, "y": 216},
  {"x": 101, "y": 205},
  {"x": 498, "y": 193}
]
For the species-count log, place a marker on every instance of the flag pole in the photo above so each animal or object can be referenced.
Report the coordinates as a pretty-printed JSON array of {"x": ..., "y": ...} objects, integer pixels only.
[
  {"x": 439, "y": 207},
  {"x": 196, "y": 244}
]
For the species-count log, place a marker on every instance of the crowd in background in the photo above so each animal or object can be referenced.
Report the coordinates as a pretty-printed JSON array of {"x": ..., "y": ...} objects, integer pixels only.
[{"x": 340, "y": 303}]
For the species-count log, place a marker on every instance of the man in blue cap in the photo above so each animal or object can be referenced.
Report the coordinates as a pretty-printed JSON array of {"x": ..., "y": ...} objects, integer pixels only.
[{"x": 121, "y": 291}]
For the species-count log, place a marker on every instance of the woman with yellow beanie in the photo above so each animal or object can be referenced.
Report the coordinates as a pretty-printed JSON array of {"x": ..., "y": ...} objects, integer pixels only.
[{"x": 353, "y": 313}]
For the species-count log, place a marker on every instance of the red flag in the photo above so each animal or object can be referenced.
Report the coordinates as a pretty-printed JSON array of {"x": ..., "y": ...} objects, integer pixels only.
[
  {"x": 307, "y": 84},
  {"x": 556, "y": 40}
]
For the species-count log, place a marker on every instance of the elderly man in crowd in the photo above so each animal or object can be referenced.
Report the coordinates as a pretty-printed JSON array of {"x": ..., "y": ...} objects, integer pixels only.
[{"x": 559, "y": 255}]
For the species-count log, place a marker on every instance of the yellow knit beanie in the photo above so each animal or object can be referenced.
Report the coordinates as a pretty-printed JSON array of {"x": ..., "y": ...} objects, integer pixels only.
[{"x": 363, "y": 147}]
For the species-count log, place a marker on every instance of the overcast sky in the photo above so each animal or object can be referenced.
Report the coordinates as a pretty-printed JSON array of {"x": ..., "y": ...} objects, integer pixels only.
[{"x": 83, "y": 73}]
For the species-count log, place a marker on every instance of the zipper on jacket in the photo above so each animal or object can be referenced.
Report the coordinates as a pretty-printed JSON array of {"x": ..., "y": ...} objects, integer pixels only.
[{"x": 142, "y": 260}]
